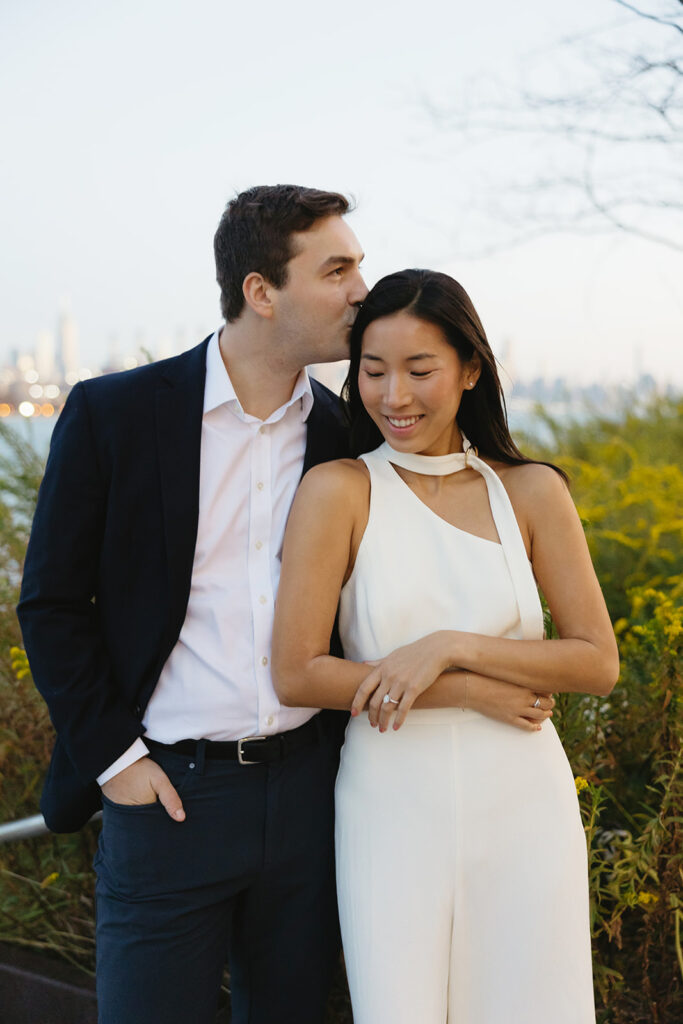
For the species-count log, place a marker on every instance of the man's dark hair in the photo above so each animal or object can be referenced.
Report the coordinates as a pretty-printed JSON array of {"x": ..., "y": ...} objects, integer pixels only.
[{"x": 254, "y": 235}]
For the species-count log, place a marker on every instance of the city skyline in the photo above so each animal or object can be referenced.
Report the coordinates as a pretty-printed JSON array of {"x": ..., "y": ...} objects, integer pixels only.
[
  {"x": 58, "y": 352},
  {"x": 35, "y": 384},
  {"x": 122, "y": 167}
]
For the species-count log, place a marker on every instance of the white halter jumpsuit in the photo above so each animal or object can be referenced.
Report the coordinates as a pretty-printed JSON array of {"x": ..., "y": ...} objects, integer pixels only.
[{"x": 461, "y": 857}]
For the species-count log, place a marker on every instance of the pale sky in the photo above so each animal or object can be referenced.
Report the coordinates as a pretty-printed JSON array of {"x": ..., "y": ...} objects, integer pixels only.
[{"x": 125, "y": 128}]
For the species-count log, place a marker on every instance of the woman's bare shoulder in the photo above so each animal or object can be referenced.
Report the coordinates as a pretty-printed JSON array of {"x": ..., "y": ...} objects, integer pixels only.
[
  {"x": 532, "y": 477},
  {"x": 341, "y": 478},
  {"x": 533, "y": 487}
]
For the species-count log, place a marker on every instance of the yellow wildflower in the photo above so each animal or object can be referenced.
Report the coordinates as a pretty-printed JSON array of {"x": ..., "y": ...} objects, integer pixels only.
[
  {"x": 49, "y": 880},
  {"x": 19, "y": 662},
  {"x": 580, "y": 783}
]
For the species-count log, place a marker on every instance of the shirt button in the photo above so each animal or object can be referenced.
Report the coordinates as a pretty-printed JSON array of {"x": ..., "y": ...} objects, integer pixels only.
[
  {"x": 264, "y": 660},
  {"x": 258, "y": 545},
  {"x": 262, "y": 599},
  {"x": 263, "y": 429},
  {"x": 259, "y": 486},
  {"x": 269, "y": 720}
]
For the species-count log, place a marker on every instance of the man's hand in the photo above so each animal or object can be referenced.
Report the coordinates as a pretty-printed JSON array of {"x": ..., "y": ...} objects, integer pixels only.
[{"x": 144, "y": 782}]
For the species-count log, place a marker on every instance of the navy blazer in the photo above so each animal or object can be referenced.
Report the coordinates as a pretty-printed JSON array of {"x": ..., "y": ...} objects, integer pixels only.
[{"x": 109, "y": 563}]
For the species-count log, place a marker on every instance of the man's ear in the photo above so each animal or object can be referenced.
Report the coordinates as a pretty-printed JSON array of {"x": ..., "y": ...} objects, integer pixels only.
[{"x": 257, "y": 292}]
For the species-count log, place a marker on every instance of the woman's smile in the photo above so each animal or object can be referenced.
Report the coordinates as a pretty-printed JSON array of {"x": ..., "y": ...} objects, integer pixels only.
[{"x": 403, "y": 424}]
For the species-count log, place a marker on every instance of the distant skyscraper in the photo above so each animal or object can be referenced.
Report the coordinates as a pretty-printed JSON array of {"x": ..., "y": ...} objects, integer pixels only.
[
  {"x": 45, "y": 355},
  {"x": 67, "y": 335},
  {"x": 507, "y": 361},
  {"x": 113, "y": 360}
]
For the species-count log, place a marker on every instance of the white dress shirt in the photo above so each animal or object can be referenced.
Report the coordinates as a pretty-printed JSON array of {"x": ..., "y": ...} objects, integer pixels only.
[{"x": 216, "y": 683}]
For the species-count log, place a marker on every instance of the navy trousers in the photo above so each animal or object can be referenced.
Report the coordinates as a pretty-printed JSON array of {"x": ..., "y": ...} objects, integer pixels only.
[{"x": 247, "y": 878}]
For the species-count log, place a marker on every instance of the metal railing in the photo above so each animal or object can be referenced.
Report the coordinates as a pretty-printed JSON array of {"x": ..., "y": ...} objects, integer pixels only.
[
  {"x": 24, "y": 828},
  {"x": 27, "y": 828}
]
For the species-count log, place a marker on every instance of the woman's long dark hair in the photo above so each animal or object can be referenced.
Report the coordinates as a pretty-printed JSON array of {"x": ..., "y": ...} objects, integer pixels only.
[{"x": 438, "y": 299}]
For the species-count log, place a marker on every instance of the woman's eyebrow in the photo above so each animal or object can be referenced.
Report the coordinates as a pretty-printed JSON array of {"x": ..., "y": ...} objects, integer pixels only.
[{"x": 409, "y": 359}]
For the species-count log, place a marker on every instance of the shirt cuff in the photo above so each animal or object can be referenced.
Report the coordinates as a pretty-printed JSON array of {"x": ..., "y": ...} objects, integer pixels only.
[{"x": 135, "y": 751}]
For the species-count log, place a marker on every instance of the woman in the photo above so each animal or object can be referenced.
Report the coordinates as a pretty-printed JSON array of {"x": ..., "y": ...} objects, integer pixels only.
[{"x": 461, "y": 857}]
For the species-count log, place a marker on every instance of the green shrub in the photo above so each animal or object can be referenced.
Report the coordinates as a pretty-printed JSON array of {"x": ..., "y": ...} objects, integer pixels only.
[
  {"x": 46, "y": 885},
  {"x": 625, "y": 750}
]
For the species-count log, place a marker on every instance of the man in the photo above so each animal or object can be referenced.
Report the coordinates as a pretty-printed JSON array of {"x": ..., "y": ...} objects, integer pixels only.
[{"x": 146, "y": 610}]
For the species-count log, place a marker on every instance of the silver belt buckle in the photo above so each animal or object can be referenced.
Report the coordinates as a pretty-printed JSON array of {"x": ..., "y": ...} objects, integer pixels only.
[{"x": 240, "y": 750}]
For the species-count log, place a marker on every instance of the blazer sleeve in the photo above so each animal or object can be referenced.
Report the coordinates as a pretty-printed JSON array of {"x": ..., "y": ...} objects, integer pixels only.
[{"x": 57, "y": 609}]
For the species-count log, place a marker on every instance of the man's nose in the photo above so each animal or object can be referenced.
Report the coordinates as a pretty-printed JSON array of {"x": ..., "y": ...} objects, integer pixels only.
[{"x": 359, "y": 291}]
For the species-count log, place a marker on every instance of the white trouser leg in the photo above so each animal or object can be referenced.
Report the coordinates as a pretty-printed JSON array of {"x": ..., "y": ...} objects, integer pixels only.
[
  {"x": 521, "y": 939},
  {"x": 394, "y": 873},
  {"x": 461, "y": 872}
]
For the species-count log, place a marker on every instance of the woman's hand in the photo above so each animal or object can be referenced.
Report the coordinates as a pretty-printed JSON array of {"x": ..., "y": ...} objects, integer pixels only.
[
  {"x": 515, "y": 705},
  {"x": 409, "y": 671},
  {"x": 402, "y": 676}
]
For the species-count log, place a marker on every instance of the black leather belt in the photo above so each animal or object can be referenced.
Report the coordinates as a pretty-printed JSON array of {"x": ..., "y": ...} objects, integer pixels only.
[{"x": 249, "y": 749}]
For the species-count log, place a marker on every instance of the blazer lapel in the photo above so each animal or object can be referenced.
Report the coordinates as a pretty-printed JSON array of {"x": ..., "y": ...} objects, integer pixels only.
[
  {"x": 179, "y": 409},
  {"x": 326, "y": 435}
]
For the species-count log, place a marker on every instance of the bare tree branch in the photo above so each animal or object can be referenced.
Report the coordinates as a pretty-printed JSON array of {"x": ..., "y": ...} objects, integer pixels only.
[
  {"x": 650, "y": 17},
  {"x": 607, "y": 153}
]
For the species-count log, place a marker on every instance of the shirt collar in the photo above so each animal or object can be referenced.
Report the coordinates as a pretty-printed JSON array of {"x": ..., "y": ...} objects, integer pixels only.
[{"x": 219, "y": 390}]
